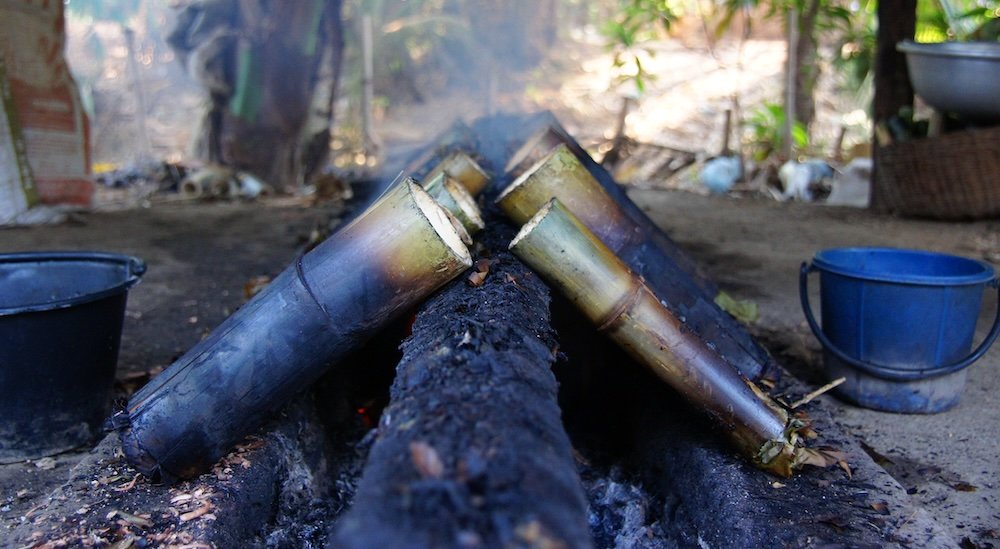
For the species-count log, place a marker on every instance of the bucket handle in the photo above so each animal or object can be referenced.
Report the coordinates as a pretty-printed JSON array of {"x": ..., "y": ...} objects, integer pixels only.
[
  {"x": 888, "y": 372},
  {"x": 136, "y": 267}
]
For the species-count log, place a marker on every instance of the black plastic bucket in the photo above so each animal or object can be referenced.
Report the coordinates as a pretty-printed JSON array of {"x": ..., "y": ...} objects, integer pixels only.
[{"x": 61, "y": 316}]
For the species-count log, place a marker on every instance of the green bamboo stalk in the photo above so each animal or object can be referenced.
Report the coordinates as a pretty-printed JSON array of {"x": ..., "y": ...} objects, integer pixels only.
[{"x": 558, "y": 245}]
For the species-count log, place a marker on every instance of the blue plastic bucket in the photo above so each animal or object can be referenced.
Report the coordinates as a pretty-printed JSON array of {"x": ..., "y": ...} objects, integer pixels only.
[{"x": 898, "y": 324}]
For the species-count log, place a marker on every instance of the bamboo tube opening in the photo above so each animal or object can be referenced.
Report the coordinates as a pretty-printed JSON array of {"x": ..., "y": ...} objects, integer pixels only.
[
  {"x": 560, "y": 174},
  {"x": 441, "y": 222},
  {"x": 471, "y": 217},
  {"x": 537, "y": 146},
  {"x": 463, "y": 169},
  {"x": 192, "y": 189},
  {"x": 530, "y": 225},
  {"x": 456, "y": 200},
  {"x": 521, "y": 180}
]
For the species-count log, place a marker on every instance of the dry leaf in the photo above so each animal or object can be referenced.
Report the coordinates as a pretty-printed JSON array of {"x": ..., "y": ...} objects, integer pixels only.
[
  {"x": 426, "y": 460},
  {"x": 821, "y": 457},
  {"x": 125, "y": 543},
  {"x": 835, "y": 522},
  {"x": 877, "y": 457},
  {"x": 254, "y": 286},
  {"x": 881, "y": 507},
  {"x": 201, "y": 511},
  {"x": 130, "y": 518},
  {"x": 476, "y": 279},
  {"x": 479, "y": 272},
  {"x": 129, "y": 485},
  {"x": 846, "y": 467},
  {"x": 46, "y": 464},
  {"x": 963, "y": 487}
]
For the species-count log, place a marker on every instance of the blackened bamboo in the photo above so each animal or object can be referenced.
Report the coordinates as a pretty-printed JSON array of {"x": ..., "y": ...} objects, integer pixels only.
[
  {"x": 471, "y": 451},
  {"x": 315, "y": 312}
]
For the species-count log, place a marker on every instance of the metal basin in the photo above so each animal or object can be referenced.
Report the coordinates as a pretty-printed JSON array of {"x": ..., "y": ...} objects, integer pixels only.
[{"x": 958, "y": 77}]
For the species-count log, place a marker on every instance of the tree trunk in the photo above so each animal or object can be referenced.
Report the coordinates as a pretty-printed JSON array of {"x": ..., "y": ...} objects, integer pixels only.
[
  {"x": 807, "y": 67},
  {"x": 270, "y": 69},
  {"x": 897, "y": 20}
]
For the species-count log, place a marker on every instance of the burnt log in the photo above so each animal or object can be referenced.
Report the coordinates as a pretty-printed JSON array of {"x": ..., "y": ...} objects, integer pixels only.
[
  {"x": 569, "y": 174},
  {"x": 471, "y": 450}
]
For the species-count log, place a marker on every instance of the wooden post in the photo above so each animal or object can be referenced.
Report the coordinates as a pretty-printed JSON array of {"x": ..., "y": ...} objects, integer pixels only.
[
  {"x": 791, "y": 65},
  {"x": 727, "y": 129},
  {"x": 897, "y": 21}
]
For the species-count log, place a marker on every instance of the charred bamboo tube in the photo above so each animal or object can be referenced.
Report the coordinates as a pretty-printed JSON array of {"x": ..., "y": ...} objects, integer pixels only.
[
  {"x": 456, "y": 199},
  {"x": 563, "y": 251},
  {"x": 320, "y": 308},
  {"x": 560, "y": 174},
  {"x": 461, "y": 167}
]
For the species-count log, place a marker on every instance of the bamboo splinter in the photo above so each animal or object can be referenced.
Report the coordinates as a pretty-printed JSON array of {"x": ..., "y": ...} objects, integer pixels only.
[
  {"x": 563, "y": 251},
  {"x": 326, "y": 304}
]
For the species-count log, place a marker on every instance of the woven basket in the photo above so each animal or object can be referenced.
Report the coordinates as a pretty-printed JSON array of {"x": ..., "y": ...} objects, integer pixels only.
[{"x": 954, "y": 176}]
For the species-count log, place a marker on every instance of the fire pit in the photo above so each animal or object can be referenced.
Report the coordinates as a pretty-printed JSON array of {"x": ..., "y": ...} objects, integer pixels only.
[{"x": 508, "y": 422}]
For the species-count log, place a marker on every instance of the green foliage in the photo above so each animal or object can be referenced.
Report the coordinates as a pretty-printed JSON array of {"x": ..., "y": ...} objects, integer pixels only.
[
  {"x": 766, "y": 128},
  {"x": 856, "y": 47},
  {"x": 832, "y": 15},
  {"x": 857, "y": 42},
  {"x": 941, "y": 20},
  {"x": 636, "y": 22}
]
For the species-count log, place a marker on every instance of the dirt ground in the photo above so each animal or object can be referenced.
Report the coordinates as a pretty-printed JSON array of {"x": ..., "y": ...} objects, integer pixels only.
[{"x": 752, "y": 248}]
